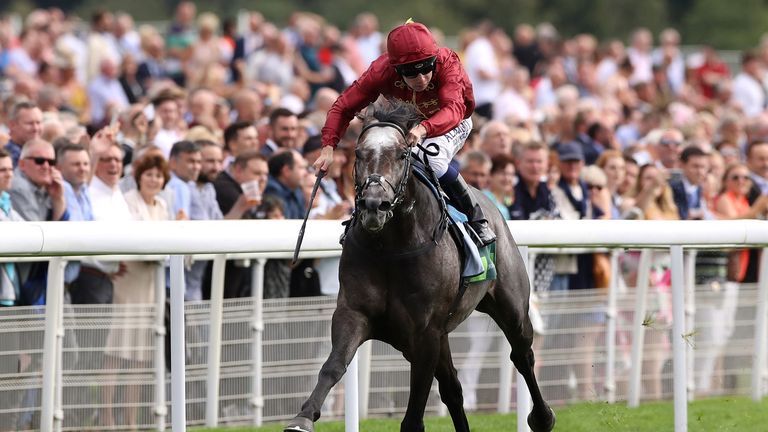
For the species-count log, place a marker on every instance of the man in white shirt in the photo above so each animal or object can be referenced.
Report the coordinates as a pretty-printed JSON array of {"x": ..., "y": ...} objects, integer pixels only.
[
  {"x": 368, "y": 37},
  {"x": 748, "y": 92},
  {"x": 482, "y": 67},
  {"x": 640, "y": 56},
  {"x": 94, "y": 284},
  {"x": 169, "y": 114},
  {"x": 669, "y": 58}
]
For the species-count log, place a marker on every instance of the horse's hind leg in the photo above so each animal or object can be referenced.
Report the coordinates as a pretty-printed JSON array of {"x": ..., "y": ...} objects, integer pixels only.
[
  {"x": 424, "y": 355},
  {"x": 349, "y": 329},
  {"x": 513, "y": 320},
  {"x": 450, "y": 387}
]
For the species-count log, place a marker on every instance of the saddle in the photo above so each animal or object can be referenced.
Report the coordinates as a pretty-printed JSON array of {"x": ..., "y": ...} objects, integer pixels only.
[{"x": 477, "y": 262}]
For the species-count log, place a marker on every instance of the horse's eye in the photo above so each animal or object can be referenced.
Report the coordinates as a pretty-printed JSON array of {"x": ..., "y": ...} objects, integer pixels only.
[
  {"x": 358, "y": 154},
  {"x": 403, "y": 155}
]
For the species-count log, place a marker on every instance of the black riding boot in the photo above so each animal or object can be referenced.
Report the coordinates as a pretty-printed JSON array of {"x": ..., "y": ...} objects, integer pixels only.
[{"x": 462, "y": 198}]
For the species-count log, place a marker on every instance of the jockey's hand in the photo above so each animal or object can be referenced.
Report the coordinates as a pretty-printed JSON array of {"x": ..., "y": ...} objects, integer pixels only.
[
  {"x": 416, "y": 135},
  {"x": 325, "y": 159}
]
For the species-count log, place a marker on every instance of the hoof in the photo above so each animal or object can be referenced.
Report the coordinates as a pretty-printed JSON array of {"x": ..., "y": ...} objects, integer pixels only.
[
  {"x": 300, "y": 424},
  {"x": 544, "y": 422}
]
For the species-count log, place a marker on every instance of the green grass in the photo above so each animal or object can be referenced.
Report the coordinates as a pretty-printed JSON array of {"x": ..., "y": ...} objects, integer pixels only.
[{"x": 711, "y": 415}]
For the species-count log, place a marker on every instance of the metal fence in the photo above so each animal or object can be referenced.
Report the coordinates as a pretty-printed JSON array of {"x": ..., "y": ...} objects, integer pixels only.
[{"x": 109, "y": 385}]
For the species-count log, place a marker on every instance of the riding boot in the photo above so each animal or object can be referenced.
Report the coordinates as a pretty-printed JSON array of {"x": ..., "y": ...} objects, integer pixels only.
[{"x": 460, "y": 195}]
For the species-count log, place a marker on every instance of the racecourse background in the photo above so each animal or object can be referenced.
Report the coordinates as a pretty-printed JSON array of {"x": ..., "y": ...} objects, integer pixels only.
[{"x": 641, "y": 102}]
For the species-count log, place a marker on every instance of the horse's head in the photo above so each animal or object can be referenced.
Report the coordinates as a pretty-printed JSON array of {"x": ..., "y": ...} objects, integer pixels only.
[{"x": 382, "y": 165}]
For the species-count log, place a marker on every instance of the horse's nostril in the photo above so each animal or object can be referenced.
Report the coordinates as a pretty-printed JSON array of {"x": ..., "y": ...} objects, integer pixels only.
[{"x": 385, "y": 206}]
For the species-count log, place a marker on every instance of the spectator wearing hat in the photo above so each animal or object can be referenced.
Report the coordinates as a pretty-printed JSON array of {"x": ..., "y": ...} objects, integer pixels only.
[{"x": 571, "y": 198}]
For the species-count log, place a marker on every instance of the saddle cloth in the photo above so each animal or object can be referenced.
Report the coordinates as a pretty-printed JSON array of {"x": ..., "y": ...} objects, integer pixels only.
[{"x": 478, "y": 262}]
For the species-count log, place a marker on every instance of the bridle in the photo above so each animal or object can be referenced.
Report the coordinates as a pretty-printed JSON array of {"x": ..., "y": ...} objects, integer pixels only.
[
  {"x": 378, "y": 179},
  {"x": 440, "y": 225}
]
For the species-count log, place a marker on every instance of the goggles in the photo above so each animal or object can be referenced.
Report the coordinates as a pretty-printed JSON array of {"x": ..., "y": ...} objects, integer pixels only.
[{"x": 411, "y": 70}]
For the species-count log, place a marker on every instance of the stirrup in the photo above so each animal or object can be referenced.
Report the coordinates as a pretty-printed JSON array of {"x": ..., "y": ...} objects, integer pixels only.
[{"x": 485, "y": 235}]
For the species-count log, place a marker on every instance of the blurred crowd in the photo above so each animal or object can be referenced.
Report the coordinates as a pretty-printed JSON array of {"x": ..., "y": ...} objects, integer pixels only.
[{"x": 107, "y": 120}]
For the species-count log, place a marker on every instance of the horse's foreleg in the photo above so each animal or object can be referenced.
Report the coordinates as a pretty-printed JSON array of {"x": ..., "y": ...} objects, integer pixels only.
[
  {"x": 424, "y": 355},
  {"x": 450, "y": 387},
  {"x": 349, "y": 329}
]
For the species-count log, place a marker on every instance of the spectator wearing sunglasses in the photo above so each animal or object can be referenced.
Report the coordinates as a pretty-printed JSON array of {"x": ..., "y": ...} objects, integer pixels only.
[
  {"x": 38, "y": 191},
  {"x": 668, "y": 151},
  {"x": 416, "y": 70},
  {"x": 37, "y": 194}
]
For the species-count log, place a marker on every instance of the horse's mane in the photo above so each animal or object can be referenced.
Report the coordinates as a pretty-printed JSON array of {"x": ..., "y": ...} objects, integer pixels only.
[{"x": 401, "y": 113}]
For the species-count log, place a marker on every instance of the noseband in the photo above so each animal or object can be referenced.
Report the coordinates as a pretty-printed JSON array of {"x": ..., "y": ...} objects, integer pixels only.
[{"x": 378, "y": 179}]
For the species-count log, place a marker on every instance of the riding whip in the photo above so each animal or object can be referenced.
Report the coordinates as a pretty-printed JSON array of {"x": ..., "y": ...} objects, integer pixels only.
[{"x": 320, "y": 175}]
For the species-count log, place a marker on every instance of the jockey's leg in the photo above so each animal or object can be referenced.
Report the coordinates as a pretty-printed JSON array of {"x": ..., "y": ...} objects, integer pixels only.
[
  {"x": 457, "y": 189},
  {"x": 447, "y": 146}
]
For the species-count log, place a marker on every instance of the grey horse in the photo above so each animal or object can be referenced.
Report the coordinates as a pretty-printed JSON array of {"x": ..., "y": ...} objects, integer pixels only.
[{"x": 400, "y": 281}]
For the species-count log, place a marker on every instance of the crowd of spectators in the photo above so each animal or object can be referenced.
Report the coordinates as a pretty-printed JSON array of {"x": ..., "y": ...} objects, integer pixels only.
[{"x": 107, "y": 120}]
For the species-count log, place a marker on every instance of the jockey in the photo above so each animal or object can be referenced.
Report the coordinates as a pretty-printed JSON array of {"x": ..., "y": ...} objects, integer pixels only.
[{"x": 414, "y": 69}]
